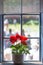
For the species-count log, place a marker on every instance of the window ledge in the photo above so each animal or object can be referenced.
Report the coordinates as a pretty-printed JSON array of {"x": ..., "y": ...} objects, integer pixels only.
[
  {"x": 25, "y": 63},
  {"x": 36, "y": 62}
]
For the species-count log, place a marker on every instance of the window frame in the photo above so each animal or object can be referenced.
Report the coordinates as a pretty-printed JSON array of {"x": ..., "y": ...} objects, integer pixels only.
[{"x": 21, "y": 34}]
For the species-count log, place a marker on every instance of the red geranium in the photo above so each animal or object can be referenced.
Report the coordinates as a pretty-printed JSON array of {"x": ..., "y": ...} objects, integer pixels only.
[
  {"x": 20, "y": 45},
  {"x": 16, "y": 37},
  {"x": 23, "y": 38},
  {"x": 13, "y": 39}
]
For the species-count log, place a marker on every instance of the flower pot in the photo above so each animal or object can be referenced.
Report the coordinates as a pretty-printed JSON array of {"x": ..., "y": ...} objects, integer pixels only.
[{"x": 17, "y": 58}]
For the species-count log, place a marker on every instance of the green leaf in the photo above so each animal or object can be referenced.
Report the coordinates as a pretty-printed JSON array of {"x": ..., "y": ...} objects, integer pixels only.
[{"x": 20, "y": 49}]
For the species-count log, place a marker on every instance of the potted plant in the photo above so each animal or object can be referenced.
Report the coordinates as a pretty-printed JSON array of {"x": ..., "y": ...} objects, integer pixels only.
[{"x": 19, "y": 47}]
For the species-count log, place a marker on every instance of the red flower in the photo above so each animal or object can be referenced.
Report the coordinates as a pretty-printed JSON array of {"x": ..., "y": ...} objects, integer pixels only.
[
  {"x": 18, "y": 36},
  {"x": 13, "y": 39},
  {"x": 23, "y": 42},
  {"x": 23, "y": 38}
]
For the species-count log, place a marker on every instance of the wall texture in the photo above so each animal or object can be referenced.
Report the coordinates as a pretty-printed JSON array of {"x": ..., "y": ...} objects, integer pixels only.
[{"x": 1, "y": 6}]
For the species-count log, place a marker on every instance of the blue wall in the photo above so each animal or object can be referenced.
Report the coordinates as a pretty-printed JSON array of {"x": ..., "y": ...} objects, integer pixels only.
[
  {"x": 0, "y": 35},
  {"x": 41, "y": 36}
]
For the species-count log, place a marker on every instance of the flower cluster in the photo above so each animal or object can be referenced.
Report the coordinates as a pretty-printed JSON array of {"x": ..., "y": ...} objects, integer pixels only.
[
  {"x": 13, "y": 39},
  {"x": 20, "y": 48}
]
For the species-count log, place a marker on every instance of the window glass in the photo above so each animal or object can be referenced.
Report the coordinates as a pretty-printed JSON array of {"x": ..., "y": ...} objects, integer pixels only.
[
  {"x": 7, "y": 53},
  {"x": 31, "y": 6},
  {"x": 30, "y": 25},
  {"x": 33, "y": 45},
  {"x": 12, "y": 25},
  {"x": 12, "y": 6}
]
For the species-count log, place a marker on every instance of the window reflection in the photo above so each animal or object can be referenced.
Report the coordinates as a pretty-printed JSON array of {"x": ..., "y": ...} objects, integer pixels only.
[
  {"x": 30, "y": 25},
  {"x": 30, "y": 28},
  {"x": 7, "y": 52},
  {"x": 34, "y": 50},
  {"x": 33, "y": 45},
  {"x": 11, "y": 25}
]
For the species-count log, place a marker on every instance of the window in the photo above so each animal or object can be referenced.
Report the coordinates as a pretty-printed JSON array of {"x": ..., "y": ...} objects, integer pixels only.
[
  {"x": 30, "y": 24},
  {"x": 30, "y": 28},
  {"x": 22, "y": 17}
]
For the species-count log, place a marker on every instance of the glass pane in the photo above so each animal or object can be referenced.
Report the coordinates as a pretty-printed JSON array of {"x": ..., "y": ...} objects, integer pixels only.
[
  {"x": 33, "y": 49},
  {"x": 30, "y": 25},
  {"x": 7, "y": 54},
  {"x": 33, "y": 45},
  {"x": 12, "y": 25},
  {"x": 12, "y": 6},
  {"x": 31, "y": 6}
]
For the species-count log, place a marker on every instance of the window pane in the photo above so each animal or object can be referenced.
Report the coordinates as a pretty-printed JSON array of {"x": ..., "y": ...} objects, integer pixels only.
[
  {"x": 7, "y": 54},
  {"x": 30, "y": 25},
  {"x": 12, "y": 6},
  {"x": 31, "y": 6},
  {"x": 33, "y": 45},
  {"x": 33, "y": 49},
  {"x": 12, "y": 25}
]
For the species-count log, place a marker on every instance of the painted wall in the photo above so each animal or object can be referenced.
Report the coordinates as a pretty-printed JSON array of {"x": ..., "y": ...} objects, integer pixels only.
[
  {"x": 1, "y": 12},
  {"x": 1, "y": 6},
  {"x": 0, "y": 37},
  {"x": 41, "y": 36}
]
